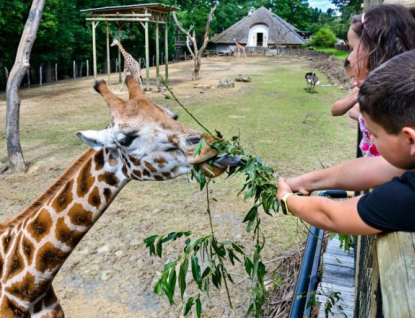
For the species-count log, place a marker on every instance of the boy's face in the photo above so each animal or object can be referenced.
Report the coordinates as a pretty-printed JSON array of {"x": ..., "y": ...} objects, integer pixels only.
[
  {"x": 358, "y": 59},
  {"x": 396, "y": 149}
]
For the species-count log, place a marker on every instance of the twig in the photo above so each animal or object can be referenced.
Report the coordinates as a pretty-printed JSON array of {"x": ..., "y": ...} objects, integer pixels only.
[{"x": 187, "y": 111}]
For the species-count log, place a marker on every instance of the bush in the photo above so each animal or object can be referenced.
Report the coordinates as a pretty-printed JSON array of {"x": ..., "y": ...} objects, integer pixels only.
[{"x": 324, "y": 38}]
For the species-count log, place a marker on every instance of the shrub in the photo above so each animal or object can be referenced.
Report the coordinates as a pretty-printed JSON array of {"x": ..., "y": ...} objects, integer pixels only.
[{"x": 324, "y": 38}]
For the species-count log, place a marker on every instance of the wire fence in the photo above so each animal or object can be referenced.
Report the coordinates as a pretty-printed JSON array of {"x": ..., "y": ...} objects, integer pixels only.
[{"x": 38, "y": 75}]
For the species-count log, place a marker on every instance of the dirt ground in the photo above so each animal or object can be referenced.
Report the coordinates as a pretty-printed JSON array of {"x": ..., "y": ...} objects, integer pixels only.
[{"x": 110, "y": 274}]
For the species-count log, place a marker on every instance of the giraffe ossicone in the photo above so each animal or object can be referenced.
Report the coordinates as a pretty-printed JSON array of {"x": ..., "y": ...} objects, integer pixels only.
[{"x": 143, "y": 142}]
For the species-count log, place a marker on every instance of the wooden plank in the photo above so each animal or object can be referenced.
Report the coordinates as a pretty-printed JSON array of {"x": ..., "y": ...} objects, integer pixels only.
[
  {"x": 338, "y": 260},
  {"x": 396, "y": 257},
  {"x": 405, "y": 3}
]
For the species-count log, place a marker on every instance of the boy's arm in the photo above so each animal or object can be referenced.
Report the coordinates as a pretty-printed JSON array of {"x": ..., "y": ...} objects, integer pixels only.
[
  {"x": 326, "y": 214},
  {"x": 354, "y": 175}
]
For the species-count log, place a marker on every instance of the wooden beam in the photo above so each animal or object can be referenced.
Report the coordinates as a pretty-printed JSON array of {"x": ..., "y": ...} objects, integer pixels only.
[
  {"x": 396, "y": 257},
  {"x": 122, "y": 15},
  {"x": 117, "y": 19},
  {"x": 166, "y": 48},
  {"x": 108, "y": 54},
  {"x": 94, "y": 48},
  {"x": 147, "y": 57},
  {"x": 119, "y": 56},
  {"x": 157, "y": 56}
]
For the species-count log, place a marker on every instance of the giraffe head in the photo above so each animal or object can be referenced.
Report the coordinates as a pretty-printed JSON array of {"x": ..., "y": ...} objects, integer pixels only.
[
  {"x": 146, "y": 138},
  {"x": 115, "y": 42}
]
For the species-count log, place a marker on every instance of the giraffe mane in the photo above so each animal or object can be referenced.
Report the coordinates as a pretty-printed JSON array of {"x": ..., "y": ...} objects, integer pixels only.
[{"x": 51, "y": 191}]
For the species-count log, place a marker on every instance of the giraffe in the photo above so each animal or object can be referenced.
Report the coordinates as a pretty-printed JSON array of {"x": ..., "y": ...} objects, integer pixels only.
[
  {"x": 130, "y": 64},
  {"x": 142, "y": 142},
  {"x": 240, "y": 48}
]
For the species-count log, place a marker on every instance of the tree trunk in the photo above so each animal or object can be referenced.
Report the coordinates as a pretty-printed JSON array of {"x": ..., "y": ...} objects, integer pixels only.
[
  {"x": 197, "y": 65},
  {"x": 17, "y": 73}
]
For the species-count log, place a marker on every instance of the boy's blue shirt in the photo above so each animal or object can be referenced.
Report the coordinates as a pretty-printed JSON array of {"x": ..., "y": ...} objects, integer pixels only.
[{"x": 391, "y": 206}]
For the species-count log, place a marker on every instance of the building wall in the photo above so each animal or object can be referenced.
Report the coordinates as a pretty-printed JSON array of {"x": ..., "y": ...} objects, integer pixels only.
[{"x": 253, "y": 35}]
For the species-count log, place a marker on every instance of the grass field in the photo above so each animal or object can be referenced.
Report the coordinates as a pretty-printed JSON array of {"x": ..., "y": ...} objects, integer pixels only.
[{"x": 341, "y": 55}]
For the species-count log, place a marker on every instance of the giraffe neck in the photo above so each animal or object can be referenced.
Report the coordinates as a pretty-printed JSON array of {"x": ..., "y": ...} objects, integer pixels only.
[
  {"x": 34, "y": 250},
  {"x": 123, "y": 51}
]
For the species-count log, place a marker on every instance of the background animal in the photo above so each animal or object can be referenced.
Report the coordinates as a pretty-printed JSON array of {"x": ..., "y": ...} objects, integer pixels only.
[
  {"x": 312, "y": 80},
  {"x": 130, "y": 64}
]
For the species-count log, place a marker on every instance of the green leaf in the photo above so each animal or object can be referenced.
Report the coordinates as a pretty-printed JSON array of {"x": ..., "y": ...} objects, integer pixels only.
[
  {"x": 196, "y": 271},
  {"x": 251, "y": 214},
  {"x": 198, "y": 306},
  {"x": 150, "y": 239},
  {"x": 248, "y": 266},
  {"x": 188, "y": 306},
  {"x": 207, "y": 286},
  {"x": 158, "y": 289},
  {"x": 238, "y": 248},
  {"x": 182, "y": 276},
  {"x": 159, "y": 247},
  {"x": 220, "y": 250},
  {"x": 206, "y": 272},
  {"x": 202, "y": 144},
  {"x": 171, "y": 286}
]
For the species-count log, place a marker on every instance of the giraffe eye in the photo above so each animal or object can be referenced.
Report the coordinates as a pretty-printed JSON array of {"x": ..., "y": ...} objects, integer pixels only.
[{"x": 127, "y": 140}]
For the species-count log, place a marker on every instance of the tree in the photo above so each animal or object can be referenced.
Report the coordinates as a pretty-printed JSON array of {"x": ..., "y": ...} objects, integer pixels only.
[
  {"x": 324, "y": 37},
  {"x": 195, "y": 52},
  {"x": 20, "y": 67}
]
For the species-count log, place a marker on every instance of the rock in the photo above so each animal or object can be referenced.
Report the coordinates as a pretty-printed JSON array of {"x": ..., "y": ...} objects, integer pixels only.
[
  {"x": 243, "y": 78},
  {"x": 202, "y": 86},
  {"x": 103, "y": 249},
  {"x": 226, "y": 82},
  {"x": 105, "y": 275},
  {"x": 3, "y": 167}
]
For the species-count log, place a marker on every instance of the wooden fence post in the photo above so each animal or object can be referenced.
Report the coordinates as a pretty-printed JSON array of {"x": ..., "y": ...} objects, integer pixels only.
[
  {"x": 74, "y": 70},
  {"x": 56, "y": 72},
  {"x": 28, "y": 77},
  {"x": 40, "y": 76},
  {"x": 80, "y": 69},
  {"x": 87, "y": 69}
]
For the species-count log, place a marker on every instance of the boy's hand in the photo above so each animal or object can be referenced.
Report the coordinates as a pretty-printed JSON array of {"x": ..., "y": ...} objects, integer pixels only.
[{"x": 283, "y": 188}]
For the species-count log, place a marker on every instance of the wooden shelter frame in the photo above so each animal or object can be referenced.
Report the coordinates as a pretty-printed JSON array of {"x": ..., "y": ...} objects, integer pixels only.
[{"x": 156, "y": 13}]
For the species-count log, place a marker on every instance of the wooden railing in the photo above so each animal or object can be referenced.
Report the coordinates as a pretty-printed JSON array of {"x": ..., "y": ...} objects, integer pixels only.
[
  {"x": 385, "y": 276},
  {"x": 396, "y": 264}
]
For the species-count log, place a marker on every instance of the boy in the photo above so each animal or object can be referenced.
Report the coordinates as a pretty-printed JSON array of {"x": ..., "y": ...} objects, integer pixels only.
[{"x": 387, "y": 103}]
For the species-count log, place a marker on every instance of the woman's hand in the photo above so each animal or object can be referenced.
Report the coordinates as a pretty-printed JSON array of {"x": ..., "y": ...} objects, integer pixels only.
[
  {"x": 283, "y": 188},
  {"x": 296, "y": 185}
]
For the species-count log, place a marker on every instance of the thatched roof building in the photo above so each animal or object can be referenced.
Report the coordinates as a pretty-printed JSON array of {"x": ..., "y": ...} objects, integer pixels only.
[{"x": 261, "y": 28}]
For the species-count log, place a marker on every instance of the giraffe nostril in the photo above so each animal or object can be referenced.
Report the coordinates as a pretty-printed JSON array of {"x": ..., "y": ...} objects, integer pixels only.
[{"x": 194, "y": 140}]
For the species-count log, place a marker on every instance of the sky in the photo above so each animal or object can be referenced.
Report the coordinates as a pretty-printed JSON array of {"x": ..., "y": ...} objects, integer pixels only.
[{"x": 321, "y": 4}]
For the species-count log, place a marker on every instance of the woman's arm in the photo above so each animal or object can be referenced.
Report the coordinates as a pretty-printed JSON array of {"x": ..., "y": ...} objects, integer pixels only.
[
  {"x": 354, "y": 175},
  {"x": 341, "y": 106},
  {"x": 354, "y": 112}
]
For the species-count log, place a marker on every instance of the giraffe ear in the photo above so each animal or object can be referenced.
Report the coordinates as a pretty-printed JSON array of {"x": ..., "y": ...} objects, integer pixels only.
[{"x": 97, "y": 139}]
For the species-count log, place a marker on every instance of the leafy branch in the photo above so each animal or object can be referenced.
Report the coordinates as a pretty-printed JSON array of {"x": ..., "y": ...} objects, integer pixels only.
[{"x": 260, "y": 186}]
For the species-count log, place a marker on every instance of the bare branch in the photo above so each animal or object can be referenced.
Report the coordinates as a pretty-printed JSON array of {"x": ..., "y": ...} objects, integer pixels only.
[
  {"x": 179, "y": 25},
  {"x": 208, "y": 28}
]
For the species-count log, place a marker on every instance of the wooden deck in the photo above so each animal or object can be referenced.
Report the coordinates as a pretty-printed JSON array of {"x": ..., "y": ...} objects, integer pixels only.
[{"x": 338, "y": 276}]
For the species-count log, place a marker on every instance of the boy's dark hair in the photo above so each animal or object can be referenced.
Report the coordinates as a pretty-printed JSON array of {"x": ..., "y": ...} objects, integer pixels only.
[
  {"x": 386, "y": 31},
  {"x": 388, "y": 94}
]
